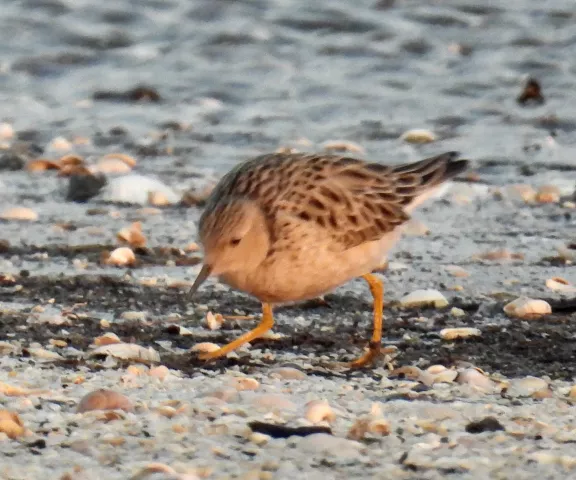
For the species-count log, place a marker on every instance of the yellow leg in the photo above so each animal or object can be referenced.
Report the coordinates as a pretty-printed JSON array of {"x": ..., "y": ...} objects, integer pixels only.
[
  {"x": 377, "y": 290},
  {"x": 265, "y": 324}
]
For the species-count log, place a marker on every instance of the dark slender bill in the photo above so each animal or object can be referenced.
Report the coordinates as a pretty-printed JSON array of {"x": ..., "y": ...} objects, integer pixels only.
[{"x": 202, "y": 276}]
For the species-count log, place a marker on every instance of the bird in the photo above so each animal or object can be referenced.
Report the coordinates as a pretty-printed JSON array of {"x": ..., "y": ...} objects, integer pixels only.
[{"x": 290, "y": 227}]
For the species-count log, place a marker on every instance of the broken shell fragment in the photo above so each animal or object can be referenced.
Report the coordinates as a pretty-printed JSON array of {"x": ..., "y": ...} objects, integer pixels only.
[
  {"x": 107, "y": 339},
  {"x": 10, "y": 424},
  {"x": 214, "y": 322},
  {"x": 121, "y": 257},
  {"x": 456, "y": 271},
  {"x": 476, "y": 379},
  {"x": 424, "y": 298},
  {"x": 19, "y": 213},
  {"x": 104, "y": 399},
  {"x": 462, "y": 332},
  {"x": 132, "y": 235},
  {"x": 205, "y": 347},
  {"x": 42, "y": 164},
  {"x": 418, "y": 136},
  {"x": 548, "y": 194},
  {"x": 128, "y": 351},
  {"x": 557, "y": 283},
  {"x": 527, "y": 308},
  {"x": 319, "y": 411}
]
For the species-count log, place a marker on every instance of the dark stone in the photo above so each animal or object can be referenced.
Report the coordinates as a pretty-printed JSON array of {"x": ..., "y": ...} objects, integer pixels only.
[
  {"x": 487, "y": 424},
  {"x": 82, "y": 188},
  {"x": 12, "y": 161},
  {"x": 281, "y": 431}
]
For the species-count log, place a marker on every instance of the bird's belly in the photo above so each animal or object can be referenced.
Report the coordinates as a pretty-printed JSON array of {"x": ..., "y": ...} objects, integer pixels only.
[{"x": 303, "y": 276}]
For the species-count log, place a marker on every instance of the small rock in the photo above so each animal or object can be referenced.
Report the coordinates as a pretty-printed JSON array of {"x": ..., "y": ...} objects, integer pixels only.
[
  {"x": 104, "y": 399},
  {"x": 128, "y": 351},
  {"x": 424, "y": 298},
  {"x": 12, "y": 161},
  {"x": 82, "y": 188},
  {"x": 135, "y": 189},
  {"x": 343, "y": 146},
  {"x": 487, "y": 424}
]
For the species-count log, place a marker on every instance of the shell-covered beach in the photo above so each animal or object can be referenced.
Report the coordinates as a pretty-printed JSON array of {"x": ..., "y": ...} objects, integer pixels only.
[{"x": 117, "y": 120}]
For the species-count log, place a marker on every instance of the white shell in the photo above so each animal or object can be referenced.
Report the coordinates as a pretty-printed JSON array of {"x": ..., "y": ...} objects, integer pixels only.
[
  {"x": 421, "y": 298},
  {"x": 524, "y": 307}
]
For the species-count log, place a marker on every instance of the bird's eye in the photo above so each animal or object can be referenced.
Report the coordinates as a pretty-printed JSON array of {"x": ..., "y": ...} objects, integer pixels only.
[{"x": 235, "y": 241}]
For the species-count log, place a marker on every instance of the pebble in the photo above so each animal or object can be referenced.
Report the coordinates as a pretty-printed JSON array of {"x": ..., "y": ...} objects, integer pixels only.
[
  {"x": 527, "y": 308},
  {"x": 104, "y": 399},
  {"x": 132, "y": 235},
  {"x": 205, "y": 347},
  {"x": 423, "y": 298}
]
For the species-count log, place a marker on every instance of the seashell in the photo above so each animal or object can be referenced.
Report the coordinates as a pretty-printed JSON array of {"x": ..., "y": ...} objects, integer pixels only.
[
  {"x": 409, "y": 372},
  {"x": 128, "y": 351},
  {"x": 558, "y": 283},
  {"x": 527, "y": 308},
  {"x": 343, "y": 146},
  {"x": 192, "y": 247},
  {"x": 245, "y": 383},
  {"x": 476, "y": 379},
  {"x": 124, "y": 158},
  {"x": 415, "y": 228},
  {"x": 524, "y": 192},
  {"x": 20, "y": 214},
  {"x": 572, "y": 392},
  {"x": 111, "y": 166},
  {"x": 456, "y": 271},
  {"x": 457, "y": 312},
  {"x": 42, "y": 164},
  {"x": 11, "y": 425},
  {"x": 500, "y": 255},
  {"x": 104, "y": 399},
  {"x": 205, "y": 347},
  {"x": 288, "y": 373},
  {"x": 108, "y": 338},
  {"x": 43, "y": 354},
  {"x": 70, "y": 159},
  {"x": 548, "y": 194},
  {"x": 447, "y": 376},
  {"x": 462, "y": 332},
  {"x": 6, "y": 131},
  {"x": 214, "y": 322},
  {"x": 158, "y": 199},
  {"x": 423, "y": 298},
  {"x": 132, "y": 235},
  {"x": 59, "y": 144},
  {"x": 121, "y": 257},
  {"x": 418, "y": 136},
  {"x": 368, "y": 424},
  {"x": 436, "y": 369},
  {"x": 319, "y": 411},
  {"x": 160, "y": 372}
]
